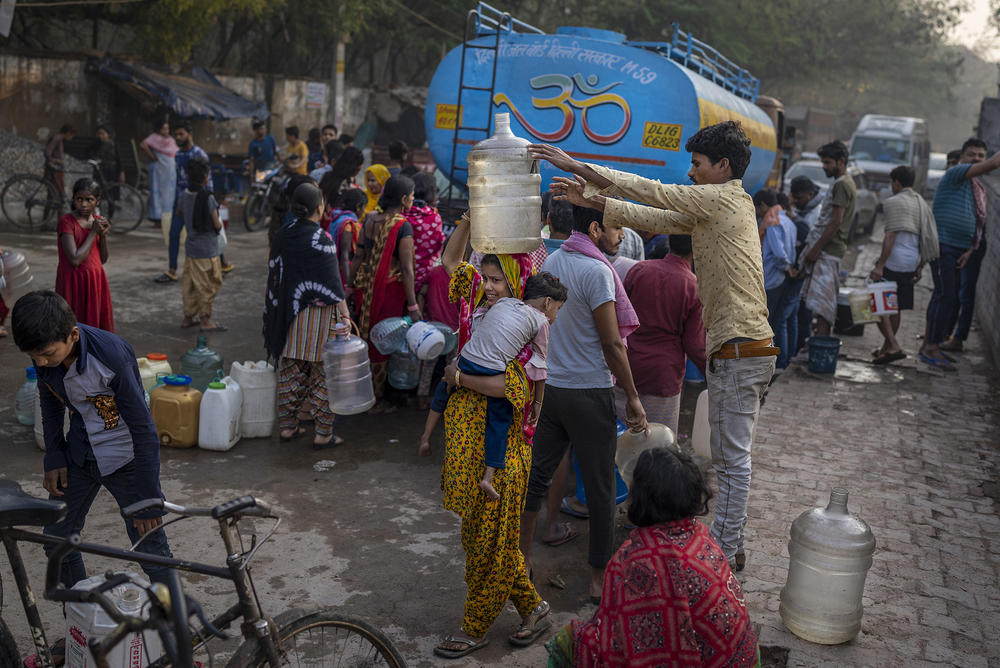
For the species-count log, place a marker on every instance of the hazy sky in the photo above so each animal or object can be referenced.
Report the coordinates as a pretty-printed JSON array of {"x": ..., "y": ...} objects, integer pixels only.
[{"x": 976, "y": 33}]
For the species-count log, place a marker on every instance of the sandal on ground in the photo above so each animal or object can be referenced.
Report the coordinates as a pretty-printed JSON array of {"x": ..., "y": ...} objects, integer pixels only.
[
  {"x": 886, "y": 358},
  {"x": 952, "y": 346},
  {"x": 227, "y": 268},
  {"x": 738, "y": 562},
  {"x": 937, "y": 362},
  {"x": 298, "y": 433},
  {"x": 571, "y": 511},
  {"x": 331, "y": 442},
  {"x": 189, "y": 322},
  {"x": 166, "y": 277},
  {"x": 471, "y": 645},
  {"x": 527, "y": 633},
  {"x": 567, "y": 532},
  {"x": 216, "y": 328}
]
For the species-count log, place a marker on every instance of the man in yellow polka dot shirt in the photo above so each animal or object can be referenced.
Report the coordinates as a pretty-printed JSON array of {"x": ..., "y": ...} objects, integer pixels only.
[{"x": 719, "y": 215}]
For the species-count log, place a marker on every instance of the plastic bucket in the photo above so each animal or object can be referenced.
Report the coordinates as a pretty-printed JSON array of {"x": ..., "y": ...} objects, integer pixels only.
[
  {"x": 823, "y": 351},
  {"x": 882, "y": 297},
  {"x": 861, "y": 307}
]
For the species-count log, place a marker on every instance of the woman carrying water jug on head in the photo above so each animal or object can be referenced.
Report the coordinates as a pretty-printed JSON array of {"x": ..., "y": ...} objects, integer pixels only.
[{"x": 304, "y": 304}]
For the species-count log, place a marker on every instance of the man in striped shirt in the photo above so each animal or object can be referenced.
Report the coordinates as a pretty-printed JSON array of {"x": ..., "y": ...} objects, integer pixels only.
[{"x": 955, "y": 214}]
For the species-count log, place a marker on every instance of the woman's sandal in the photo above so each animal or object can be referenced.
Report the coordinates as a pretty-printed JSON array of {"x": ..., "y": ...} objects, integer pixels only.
[
  {"x": 298, "y": 433},
  {"x": 471, "y": 645},
  {"x": 527, "y": 633},
  {"x": 331, "y": 442}
]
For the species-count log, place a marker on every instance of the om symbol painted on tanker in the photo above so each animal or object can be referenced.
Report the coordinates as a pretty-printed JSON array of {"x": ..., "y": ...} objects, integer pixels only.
[{"x": 564, "y": 102}]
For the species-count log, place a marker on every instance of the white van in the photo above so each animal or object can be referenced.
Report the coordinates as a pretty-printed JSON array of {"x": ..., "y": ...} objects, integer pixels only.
[{"x": 882, "y": 143}]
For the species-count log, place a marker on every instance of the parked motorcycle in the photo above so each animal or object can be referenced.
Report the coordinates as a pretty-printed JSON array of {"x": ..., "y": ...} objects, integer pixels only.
[{"x": 265, "y": 190}]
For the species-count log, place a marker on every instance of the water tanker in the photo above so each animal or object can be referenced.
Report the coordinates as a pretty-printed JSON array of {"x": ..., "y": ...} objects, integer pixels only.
[{"x": 627, "y": 105}]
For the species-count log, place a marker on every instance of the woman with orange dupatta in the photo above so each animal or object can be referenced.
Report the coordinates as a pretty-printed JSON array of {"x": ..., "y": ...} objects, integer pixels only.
[{"x": 382, "y": 273}]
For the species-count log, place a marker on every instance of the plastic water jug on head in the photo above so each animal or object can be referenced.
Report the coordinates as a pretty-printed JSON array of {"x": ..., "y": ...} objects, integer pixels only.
[
  {"x": 505, "y": 202},
  {"x": 202, "y": 364},
  {"x": 348, "y": 373},
  {"x": 219, "y": 415},
  {"x": 259, "y": 385},
  {"x": 175, "y": 407}
]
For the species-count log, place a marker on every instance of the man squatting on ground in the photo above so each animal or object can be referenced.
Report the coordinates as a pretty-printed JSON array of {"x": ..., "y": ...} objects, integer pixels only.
[{"x": 719, "y": 215}]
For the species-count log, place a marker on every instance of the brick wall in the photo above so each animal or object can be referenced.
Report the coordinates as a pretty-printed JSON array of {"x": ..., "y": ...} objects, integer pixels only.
[{"x": 988, "y": 288}]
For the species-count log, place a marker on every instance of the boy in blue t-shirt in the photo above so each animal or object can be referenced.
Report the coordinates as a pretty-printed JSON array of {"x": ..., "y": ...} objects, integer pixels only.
[
  {"x": 112, "y": 440},
  {"x": 263, "y": 150}
]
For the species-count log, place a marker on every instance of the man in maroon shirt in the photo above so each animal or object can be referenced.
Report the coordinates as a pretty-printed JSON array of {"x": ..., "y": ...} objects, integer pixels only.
[{"x": 664, "y": 293}]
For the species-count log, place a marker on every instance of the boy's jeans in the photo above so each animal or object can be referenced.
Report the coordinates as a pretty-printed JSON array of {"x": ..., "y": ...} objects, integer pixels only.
[
  {"x": 83, "y": 484},
  {"x": 735, "y": 387}
]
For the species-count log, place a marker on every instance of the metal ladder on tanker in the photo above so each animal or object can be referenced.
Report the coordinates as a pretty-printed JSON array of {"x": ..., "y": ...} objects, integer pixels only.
[{"x": 481, "y": 21}]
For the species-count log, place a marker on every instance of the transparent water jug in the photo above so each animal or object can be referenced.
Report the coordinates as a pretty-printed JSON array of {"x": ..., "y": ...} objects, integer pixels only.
[
  {"x": 219, "y": 415},
  {"x": 175, "y": 407},
  {"x": 389, "y": 335},
  {"x": 27, "y": 395},
  {"x": 259, "y": 384},
  {"x": 505, "y": 201},
  {"x": 18, "y": 280},
  {"x": 631, "y": 445},
  {"x": 86, "y": 621},
  {"x": 202, "y": 364},
  {"x": 348, "y": 373},
  {"x": 404, "y": 370},
  {"x": 450, "y": 336},
  {"x": 830, "y": 552}
]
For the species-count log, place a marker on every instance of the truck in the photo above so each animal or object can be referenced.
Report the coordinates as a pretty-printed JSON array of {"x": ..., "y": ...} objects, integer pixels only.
[
  {"x": 624, "y": 104},
  {"x": 882, "y": 143}
]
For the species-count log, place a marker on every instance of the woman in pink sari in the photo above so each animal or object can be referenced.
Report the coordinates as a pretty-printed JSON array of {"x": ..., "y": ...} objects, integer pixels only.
[
  {"x": 160, "y": 148},
  {"x": 428, "y": 237}
]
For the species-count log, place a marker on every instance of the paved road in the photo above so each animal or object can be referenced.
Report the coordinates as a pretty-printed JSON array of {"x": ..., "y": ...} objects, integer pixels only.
[{"x": 918, "y": 453}]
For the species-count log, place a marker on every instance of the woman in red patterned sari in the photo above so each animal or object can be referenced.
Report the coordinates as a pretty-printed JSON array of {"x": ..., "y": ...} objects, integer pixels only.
[{"x": 669, "y": 598}]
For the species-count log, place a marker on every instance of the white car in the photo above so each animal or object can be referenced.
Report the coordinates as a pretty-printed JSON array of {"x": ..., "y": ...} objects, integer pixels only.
[
  {"x": 865, "y": 205},
  {"x": 934, "y": 173}
]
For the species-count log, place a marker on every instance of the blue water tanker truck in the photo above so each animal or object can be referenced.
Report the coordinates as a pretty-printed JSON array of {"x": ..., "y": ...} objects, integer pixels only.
[{"x": 627, "y": 105}]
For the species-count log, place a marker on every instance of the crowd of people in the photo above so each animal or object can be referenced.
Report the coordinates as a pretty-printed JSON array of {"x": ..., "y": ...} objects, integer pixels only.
[{"x": 556, "y": 347}]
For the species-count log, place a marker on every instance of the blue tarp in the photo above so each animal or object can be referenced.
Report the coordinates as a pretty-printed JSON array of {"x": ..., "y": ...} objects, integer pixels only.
[{"x": 195, "y": 95}]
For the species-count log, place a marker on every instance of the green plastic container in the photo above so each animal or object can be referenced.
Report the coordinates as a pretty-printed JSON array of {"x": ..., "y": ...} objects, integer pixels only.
[{"x": 202, "y": 364}]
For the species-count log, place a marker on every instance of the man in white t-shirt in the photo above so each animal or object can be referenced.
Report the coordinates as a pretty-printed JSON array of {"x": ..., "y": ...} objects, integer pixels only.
[{"x": 910, "y": 241}]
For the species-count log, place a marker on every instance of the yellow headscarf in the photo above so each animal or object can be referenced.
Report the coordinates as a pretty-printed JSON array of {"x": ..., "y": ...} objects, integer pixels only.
[{"x": 381, "y": 174}]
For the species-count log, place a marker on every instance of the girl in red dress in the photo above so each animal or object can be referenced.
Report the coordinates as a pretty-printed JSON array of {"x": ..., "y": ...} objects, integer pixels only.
[{"x": 83, "y": 250}]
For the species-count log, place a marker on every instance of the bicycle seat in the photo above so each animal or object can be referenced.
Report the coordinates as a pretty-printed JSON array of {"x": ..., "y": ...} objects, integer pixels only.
[{"x": 19, "y": 508}]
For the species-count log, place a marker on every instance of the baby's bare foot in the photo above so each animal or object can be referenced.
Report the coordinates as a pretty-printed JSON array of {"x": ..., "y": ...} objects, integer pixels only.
[{"x": 487, "y": 487}]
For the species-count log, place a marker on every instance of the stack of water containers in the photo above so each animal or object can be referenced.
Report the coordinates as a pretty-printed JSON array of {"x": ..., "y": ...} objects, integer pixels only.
[{"x": 409, "y": 343}]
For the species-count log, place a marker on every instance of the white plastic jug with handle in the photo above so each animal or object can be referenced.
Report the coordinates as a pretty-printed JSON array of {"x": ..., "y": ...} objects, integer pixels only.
[
  {"x": 259, "y": 385},
  {"x": 882, "y": 296},
  {"x": 701, "y": 433},
  {"x": 219, "y": 419}
]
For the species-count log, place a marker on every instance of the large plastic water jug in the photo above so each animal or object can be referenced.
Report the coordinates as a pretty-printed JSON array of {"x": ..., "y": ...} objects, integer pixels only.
[
  {"x": 18, "y": 280},
  {"x": 425, "y": 340},
  {"x": 202, "y": 364},
  {"x": 175, "y": 407},
  {"x": 219, "y": 415},
  {"x": 26, "y": 398},
  {"x": 505, "y": 201},
  {"x": 88, "y": 620},
  {"x": 404, "y": 370},
  {"x": 259, "y": 385},
  {"x": 348, "y": 373},
  {"x": 150, "y": 366},
  {"x": 39, "y": 427},
  {"x": 389, "y": 335},
  {"x": 450, "y": 336},
  {"x": 632, "y": 444},
  {"x": 830, "y": 552}
]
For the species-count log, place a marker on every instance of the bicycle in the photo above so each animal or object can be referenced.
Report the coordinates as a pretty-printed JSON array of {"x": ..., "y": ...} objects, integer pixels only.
[
  {"x": 290, "y": 638},
  {"x": 35, "y": 202}
]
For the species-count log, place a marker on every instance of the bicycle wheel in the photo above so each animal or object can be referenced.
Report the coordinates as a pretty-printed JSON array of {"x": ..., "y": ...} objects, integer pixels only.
[
  {"x": 323, "y": 638},
  {"x": 30, "y": 202},
  {"x": 126, "y": 207},
  {"x": 8, "y": 648},
  {"x": 254, "y": 213}
]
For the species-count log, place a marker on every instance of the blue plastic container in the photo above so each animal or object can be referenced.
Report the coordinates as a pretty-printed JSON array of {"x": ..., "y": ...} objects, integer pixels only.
[{"x": 823, "y": 351}]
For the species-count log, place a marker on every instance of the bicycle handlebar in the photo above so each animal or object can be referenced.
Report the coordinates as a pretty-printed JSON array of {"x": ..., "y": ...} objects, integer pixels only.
[{"x": 245, "y": 505}]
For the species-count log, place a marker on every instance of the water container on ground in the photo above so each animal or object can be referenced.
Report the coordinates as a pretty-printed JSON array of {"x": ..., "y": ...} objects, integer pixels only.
[
  {"x": 425, "y": 340},
  {"x": 86, "y": 621},
  {"x": 259, "y": 385},
  {"x": 175, "y": 407},
  {"x": 18, "y": 280},
  {"x": 389, "y": 335},
  {"x": 701, "y": 434},
  {"x": 505, "y": 202},
  {"x": 219, "y": 415},
  {"x": 202, "y": 364},
  {"x": 150, "y": 366},
  {"x": 404, "y": 371},
  {"x": 348, "y": 373},
  {"x": 631, "y": 444},
  {"x": 26, "y": 398},
  {"x": 823, "y": 352},
  {"x": 830, "y": 552}
]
